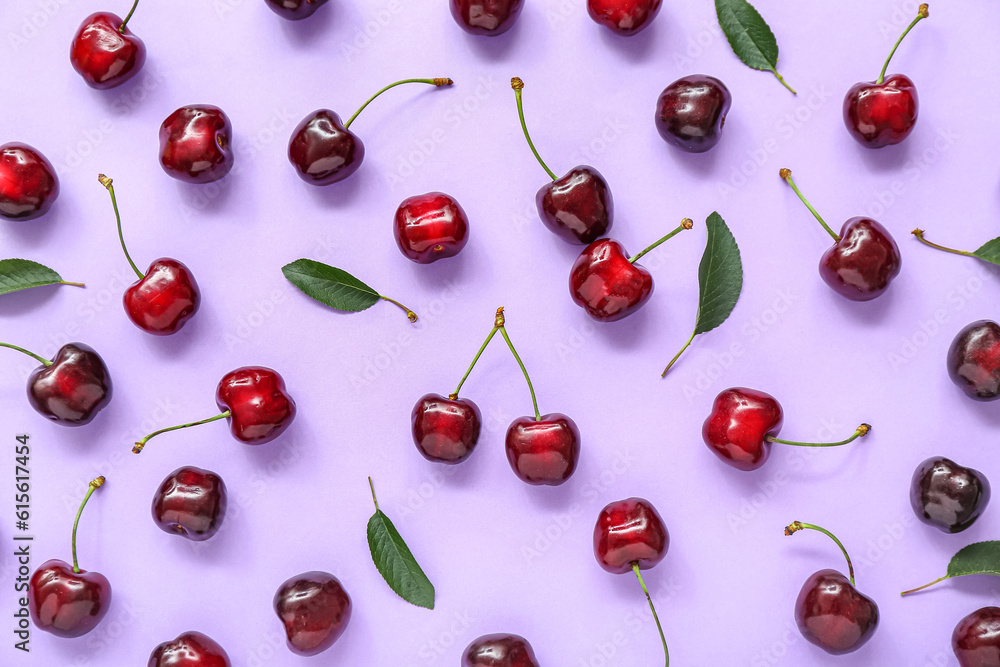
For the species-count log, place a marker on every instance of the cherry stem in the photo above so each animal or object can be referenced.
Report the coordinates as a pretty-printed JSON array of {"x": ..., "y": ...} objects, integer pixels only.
[
  {"x": 517, "y": 85},
  {"x": 372, "y": 485},
  {"x": 862, "y": 431},
  {"x": 678, "y": 355},
  {"x": 121, "y": 28},
  {"x": 493, "y": 332},
  {"x": 686, "y": 223},
  {"x": 922, "y": 13},
  {"x": 635, "y": 568},
  {"x": 107, "y": 183},
  {"x": 503, "y": 332},
  {"x": 43, "y": 360},
  {"x": 94, "y": 485},
  {"x": 412, "y": 316},
  {"x": 920, "y": 588},
  {"x": 142, "y": 443},
  {"x": 787, "y": 175},
  {"x": 783, "y": 82},
  {"x": 796, "y": 526},
  {"x": 433, "y": 82},
  {"x": 919, "y": 233}
]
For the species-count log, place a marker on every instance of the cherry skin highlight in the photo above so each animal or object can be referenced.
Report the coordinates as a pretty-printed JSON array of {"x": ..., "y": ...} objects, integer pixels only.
[
  {"x": 624, "y": 17},
  {"x": 974, "y": 360},
  {"x": 578, "y": 208},
  {"x": 833, "y": 614},
  {"x": 261, "y": 407},
  {"x": 499, "y": 650},
  {"x": 294, "y": 10},
  {"x": 104, "y": 54},
  {"x": 630, "y": 531},
  {"x": 191, "y": 649},
  {"x": 430, "y": 227},
  {"x": 880, "y": 115},
  {"x": 196, "y": 144},
  {"x": 606, "y": 285},
  {"x": 66, "y": 603},
  {"x": 190, "y": 502},
  {"x": 737, "y": 428},
  {"x": 28, "y": 182},
  {"x": 863, "y": 263},
  {"x": 691, "y": 112},
  {"x": 73, "y": 389},
  {"x": 314, "y": 610},
  {"x": 445, "y": 430},
  {"x": 485, "y": 17},
  {"x": 543, "y": 451},
  {"x": 976, "y": 639},
  {"x": 165, "y": 298}
]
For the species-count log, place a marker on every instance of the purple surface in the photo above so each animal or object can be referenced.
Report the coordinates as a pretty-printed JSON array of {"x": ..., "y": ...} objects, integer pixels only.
[{"x": 505, "y": 556}]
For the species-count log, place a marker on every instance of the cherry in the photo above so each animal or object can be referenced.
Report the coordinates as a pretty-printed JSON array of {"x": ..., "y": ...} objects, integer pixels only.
[
  {"x": 948, "y": 496},
  {"x": 578, "y": 208},
  {"x": 607, "y": 283},
  {"x": 65, "y": 600},
  {"x": 691, "y": 112},
  {"x": 254, "y": 400},
  {"x": 743, "y": 424},
  {"x": 499, "y": 650},
  {"x": 630, "y": 535},
  {"x": 314, "y": 609},
  {"x": 294, "y": 10},
  {"x": 430, "y": 227},
  {"x": 190, "y": 502},
  {"x": 976, "y": 639},
  {"x": 883, "y": 112},
  {"x": 830, "y": 612},
  {"x": 625, "y": 17},
  {"x": 974, "y": 360},
  {"x": 485, "y": 17},
  {"x": 28, "y": 182},
  {"x": 105, "y": 52},
  {"x": 196, "y": 144},
  {"x": 165, "y": 297},
  {"x": 863, "y": 259},
  {"x": 191, "y": 649},
  {"x": 323, "y": 150}
]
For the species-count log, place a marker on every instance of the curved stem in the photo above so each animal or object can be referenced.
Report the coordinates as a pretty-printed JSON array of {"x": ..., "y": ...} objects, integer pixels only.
[
  {"x": 142, "y": 443},
  {"x": 107, "y": 182},
  {"x": 666, "y": 653},
  {"x": 121, "y": 28},
  {"x": 517, "y": 85},
  {"x": 372, "y": 485},
  {"x": 493, "y": 332},
  {"x": 677, "y": 356},
  {"x": 922, "y": 13},
  {"x": 433, "y": 82},
  {"x": 686, "y": 223},
  {"x": 860, "y": 433},
  {"x": 94, "y": 485},
  {"x": 34, "y": 356},
  {"x": 412, "y": 316},
  {"x": 783, "y": 82},
  {"x": 920, "y": 588},
  {"x": 787, "y": 175},
  {"x": 919, "y": 233},
  {"x": 534, "y": 402},
  {"x": 796, "y": 526}
]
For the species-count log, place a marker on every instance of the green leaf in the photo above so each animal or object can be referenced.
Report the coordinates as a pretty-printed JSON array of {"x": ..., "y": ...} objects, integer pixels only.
[
  {"x": 329, "y": 285},
  {"x": 720, "y": 276},
  {"x": 749, "y": 35},
  {"x": 978, "y": 558},
  {"x": 19, "y": 274},
  {"x": 989, "y": 251},
  {"x": 396, "y": 564}
]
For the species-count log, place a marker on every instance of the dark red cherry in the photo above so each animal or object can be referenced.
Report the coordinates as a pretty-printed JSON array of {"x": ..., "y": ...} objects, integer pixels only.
[
  {"x": 445, "y": 430},
  {"x": 323, "y": 151},
  {"x": 833, "y": 614},
  {"x": 67, "y": 603},
  {"x": 625, "y": 17},
  {"x": 976, "y": 639},
  {"x": 691, "y": 112},
  {"x": 73, "y": 389},
  {"x": 191, "y": 649},
  {"x": 28, "y": 182},
  {"x": 543, "y": 451},
  {"x": 630, "y": 531},
  {"x": 948, "y": 496},
  {"x": 861, "y": 265},
  {"x": 314, "y": 609},
  {"x": 974, "y": 360},
  {"x": 430, "y": 227},
  {"x": 261, "y": 408},
  {"x": 485, "y": 17},
  {"x": 106, "y": 53},
  {"x": 605, "y": 284},
  {"x": 190, "y": 502},
  {"x": 196, "y": 144},
  {"x": 879, "y": 115},
  {"x": 578, "y": 207},
  {"x": 164, "y": 299},
  {"x": 736, "y": 430},
  {"x": 499, "y": 650},
  {"x": 294, "y": 10}
]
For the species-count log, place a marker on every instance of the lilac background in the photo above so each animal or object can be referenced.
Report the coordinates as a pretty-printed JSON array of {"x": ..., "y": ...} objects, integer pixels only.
[{"x": 505, "y": 556}]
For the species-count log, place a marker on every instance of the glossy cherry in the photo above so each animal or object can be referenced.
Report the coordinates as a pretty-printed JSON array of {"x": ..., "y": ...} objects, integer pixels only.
[
  {"x": 65, "y": 600},
  {"x": 190, "y": 649},
  {"x": 294, "y": 10},
  {"x": 625, "y": 17},
  {"x": 323, "y": 150},
  {"x": 976, "y": 639},
  {"x": 190, "y": 502},
  {"x": 430, "y": 227},
  {"x": 196, "y": 144},
  {"x": 445, "y": 430},
  {"x": 578, "y": 207},
  {"x": 485, "y": 17},
  {"x": 691, "y": 112},
  {"x": 948, "y": 496},
  {"x": 314, "y": 610},
  {"x": 28, "y": 182},
  {"x": 974, "y": 360},
  {"x": 543, "y": 450},
  {"x": 105, "y": 52},
  {"x": 499, "y": 650},
  {"x": 883, "y": 112}
]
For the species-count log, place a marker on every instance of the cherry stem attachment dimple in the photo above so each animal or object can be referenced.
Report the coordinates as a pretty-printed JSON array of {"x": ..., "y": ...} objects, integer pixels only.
[
  {"x": 796, "y": 526},
  {"x": 920, "y": 588},
  {"x": 121, "y": 28},
  {"x": 686, "y": 223},
  {"x": 142, "y": 443},
  {"x": 108, "y": 183},
  {"x": 922, "y": 13},
  {"x": 94, "y": 485},
  {"x": 372, "y": 485},
  {"x": 919, "y": 233},
  {"x": 493, "y": 332},
  {"x": 786, "y": 174},
  {"x": 666, "y": 653},
  {"x": 34, "y": 356},
  {"x": 412, "y": 316},
  {"x": 517, "y": 85},
  {"x": 433, "y": 82},
  {"x": 503, "y": 332},
  {"x": 862, "y": 431}
]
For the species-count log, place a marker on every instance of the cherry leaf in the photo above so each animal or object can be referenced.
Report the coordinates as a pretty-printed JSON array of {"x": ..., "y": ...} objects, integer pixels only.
[
  {"x": 749, "y": 36},
  {"x": 395, "y": 563},
  {"x": 20, "y": 274},
  {"x": 989, "y": 251},
  {"x": 977, "y": 558},
  {"x": 329, "y": 285}
]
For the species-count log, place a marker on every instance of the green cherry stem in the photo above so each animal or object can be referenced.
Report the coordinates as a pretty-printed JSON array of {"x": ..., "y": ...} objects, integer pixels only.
[
  {"x": 517, "y": 85},
  {"x": 372, "y": 485},
  {"x": 34, "y": 356},
  {"x": 786, "y": 174},
  {"x": 412, "y": 316},
  {"x": 142, "y": 443},
  {"x": 862, "y": 431},
  {"x": 919, "y": 233},
  {"x": 678, "y": 355},
  {"x": 635, "y": 568},
  {"x": 920, "y": 588},
  {"x": 108, "y": 183},
  {"x": 121, "y": 28},
  {"x": 782, "y": 80},
  {"x": 497, "y": 323},
  {"x": 922, "y": 13},
  {"x": 796, "y": 526},
  {"x": 433, "y": 82},
  {"x": 94, "y": 485},
  {"x": 686, "y": 223},
  {"x": 503, "y": 332}
]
